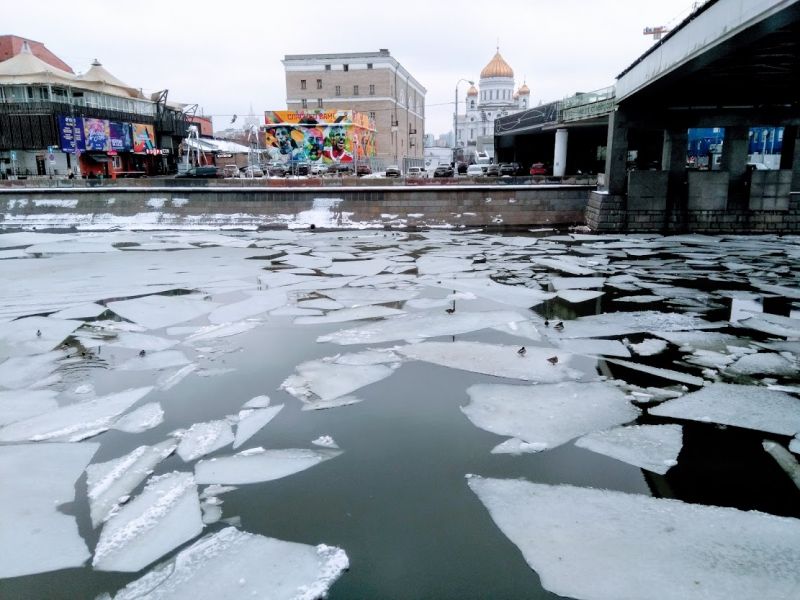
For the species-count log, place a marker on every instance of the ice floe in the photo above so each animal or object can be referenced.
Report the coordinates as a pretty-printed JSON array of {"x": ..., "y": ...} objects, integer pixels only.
[
  {"x": 764, "y": 363},
  {"x": 82, "y": 311},
  {"x": 625, "y": 323},
  {"x": 436, "y": 265},
  {"x": 513, "y": 295},
  {"x": 37, "y": 479},
  {"x": 143, "y": 418},
  {"x": 251, "y": 420},
  {"x": 747, "y": 406},
  {"x": 260, "y": 302},
  {"x": 785, "y": 460},
  {"x": 236, "y": 564},
  {"x": 74, "y": 422},
  {"x": 350, "y": 314},
  {"x": 34, "y": 335},
  {"x": 548, "y": 415},
  {"x": 141, "y": 341},
  {"x": 366, "y": 268},
  {"x": 256, "y": 467},
  {"x": 578, "y": 296},
  {"x": 173, "y": 379},
  {"x": 651, "y": 447},
  {"x": 155, "y": 312},
  {"x": 773, "y": 325},
  {"x": 215, "y": 332},
  {"x": 325, "y": 441},
  {"x": 499, "y": 361},
  {"x": 16, "y": 405},
  {"x": 361, "y": 296},
  {"x": 155, "y": 360},
  {"x": 202, "y": 438},
  {"x": 633, "y": 546},
  {"x": 577, "y": 283},
  {"x": 257, "y": 402},
  {"x": 649, "y": 347},
  {"x": 164, "y": 516},
  {"x": 659, "y": 372},
  {"x": 109, "y": 481},
  {"x": 594, "y": 347},
  {"x": 329, "y": 381}
]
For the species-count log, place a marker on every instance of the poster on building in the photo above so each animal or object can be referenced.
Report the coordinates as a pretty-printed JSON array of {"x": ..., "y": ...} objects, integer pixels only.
[
  {"x": 144, "y": 138},
  {"x": 328, "y": 137},
  {"x": 96, "y": 135},
  {"x": 70, "y": 130},
  {"x": 120, "y": 135}
]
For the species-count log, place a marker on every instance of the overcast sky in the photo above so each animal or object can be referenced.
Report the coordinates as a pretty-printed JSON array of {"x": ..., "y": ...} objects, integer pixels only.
[{"x": 225, "y": 55}]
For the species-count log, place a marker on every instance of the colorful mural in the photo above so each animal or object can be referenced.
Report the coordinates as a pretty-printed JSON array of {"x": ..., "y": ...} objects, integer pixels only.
[
  {"x": 144, "y": 138},
  {"x": 319, "y": 136}
]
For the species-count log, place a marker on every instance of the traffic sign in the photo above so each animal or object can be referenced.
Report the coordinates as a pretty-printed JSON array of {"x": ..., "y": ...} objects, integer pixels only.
[
  {"x": 52, "y": 158},
  {"x": 13, "y": 155}
]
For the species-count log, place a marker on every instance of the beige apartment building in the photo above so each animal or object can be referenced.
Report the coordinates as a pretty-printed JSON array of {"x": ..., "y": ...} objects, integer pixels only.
[{"x": 372, "y": 83}]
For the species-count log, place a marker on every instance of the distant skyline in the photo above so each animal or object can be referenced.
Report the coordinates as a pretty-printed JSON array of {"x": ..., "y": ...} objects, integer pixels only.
[{"x": 226, "y": 58}]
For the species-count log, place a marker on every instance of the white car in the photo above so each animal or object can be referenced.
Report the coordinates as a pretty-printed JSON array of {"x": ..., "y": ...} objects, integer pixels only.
[
  {"x": 416, "y": 172},
  {"x": 474, "y": 171},
  {"x": 318, "y": 169},
  {"x": 251, "y": 171}
]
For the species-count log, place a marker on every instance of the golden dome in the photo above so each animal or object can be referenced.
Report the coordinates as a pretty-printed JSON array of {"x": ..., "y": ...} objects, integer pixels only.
[
  {"x": 524, "y": 90},
  {"x": 497, "y": 67},
  {"x": 472, "y": 91},
  {"x": 516, "y": 95}
]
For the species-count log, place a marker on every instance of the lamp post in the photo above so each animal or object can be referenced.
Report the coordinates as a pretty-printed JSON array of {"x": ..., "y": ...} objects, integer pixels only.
[{"x": 455, "y": 126}]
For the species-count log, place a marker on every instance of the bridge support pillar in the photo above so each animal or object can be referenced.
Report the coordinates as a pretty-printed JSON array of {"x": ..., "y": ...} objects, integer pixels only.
[
  {"x": 734, "y": 161},
  {"x": 560, "y": 153},
  {"x": 616, "y": 153},
  {"x": 790, "y": 154},
  {"x": 673, "y": 160}
]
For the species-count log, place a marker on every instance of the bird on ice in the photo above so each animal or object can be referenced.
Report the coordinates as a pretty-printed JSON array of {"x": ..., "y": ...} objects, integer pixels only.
[
  {"x": 552, "y": 360},
  {"x": 521, "y": 351},
  {"x": 38, "y": 333},
  {"x": 142, "y": 352},
  {"x": 559, "y": 326}
]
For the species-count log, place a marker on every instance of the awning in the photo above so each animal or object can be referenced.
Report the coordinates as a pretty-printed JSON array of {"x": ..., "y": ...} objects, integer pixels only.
[{"x": 101, "y": 158}]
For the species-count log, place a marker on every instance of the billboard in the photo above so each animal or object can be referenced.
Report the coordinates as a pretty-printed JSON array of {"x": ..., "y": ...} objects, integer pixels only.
[
  {"x": 319, "y": 136},
  {"x": 96, "y": 135},
  {"x": 70, "y": 129},
  {"x": 144, "y": 138},
  {"x": 120, "y": 136}
]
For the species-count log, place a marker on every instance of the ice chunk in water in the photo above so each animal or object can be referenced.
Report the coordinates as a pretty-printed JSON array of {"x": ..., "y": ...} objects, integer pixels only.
[
  {"x": 325, "y": 441},
  {"x": 202, "y": 438},
  {"x": 436, "y": 265},
  {"x": 360, "y": 296},
  {"x": 420, "y": 326},
  {"x": 368, "y": 357},
  {"x": 651, "y": 447},
  {"x": 549, "y": 415},
  {"x": 141, "y": 341},
  {"x": 513, "y": 295},
  {"x": 767, "y": 363},
  {"x": 37, "y": 478},
  {"x": 109, "y": 481},
  {"x": 773, "y": 325},
  {"x": 649, "y": 347},
  {"x": 523, "y": 329},
  {"x": 235, "y": 564},
  {"x": 19, "y": 338},
  {"x": 705, "y": 340},
  {"x": 261, "y": 466},
  {"x": 173, "y": 379},
  {"x": 785, "y": 460},
  {"x": 794, "y": 445},
  {"x": 164, "y": 516},
  {"x": 318, "y": 404},
  {"x": 213, "y": 491},
  {"x": 367, "y": 268},
  {"x": 75, "y": 421},
  {"x": 22, "y": 404},
  {"x": 350, "y": 314},
  {"x": 252, "y": 420},
  {"x": 594, "y": 347},
  {"x": 156, "y": 360},
  {"x": 499, "y": 361},
  {"x": 330, "y": 380},
  {"x": 260, "y": 302},
  {"x": 633, "y": 546},
  {"x": 577, "y": 283},
  {"x": 518, "y": 447},
  {"x": 659, "y": 372},
  {"x": 321, "y": 304},
  {"x": 257, "y": 402},
  {"x": 143, "y": 418},
  {"x": 155, "y": 312},
  {"x": 578, "y": 296},
  {"x": 625, "y": 323},
  {"x": 215, "y": 332},
  {"x": 747, "y": 406},
  {"x": 639, "y": 299}
]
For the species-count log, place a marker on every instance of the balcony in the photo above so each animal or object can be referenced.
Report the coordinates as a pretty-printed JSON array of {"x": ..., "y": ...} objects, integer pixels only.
[{"x": 65, "y": 108}]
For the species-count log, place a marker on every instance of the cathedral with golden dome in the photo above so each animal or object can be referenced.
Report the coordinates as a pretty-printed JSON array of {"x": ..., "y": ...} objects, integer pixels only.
[{"x": 494, "y": 97}]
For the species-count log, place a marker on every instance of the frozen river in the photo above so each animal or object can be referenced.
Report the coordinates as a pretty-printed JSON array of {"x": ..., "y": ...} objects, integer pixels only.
[{"x": 385, "y": 414}]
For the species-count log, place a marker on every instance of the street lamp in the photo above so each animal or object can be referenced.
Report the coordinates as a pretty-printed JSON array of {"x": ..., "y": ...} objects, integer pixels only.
[{"x": 455, "y": 124}]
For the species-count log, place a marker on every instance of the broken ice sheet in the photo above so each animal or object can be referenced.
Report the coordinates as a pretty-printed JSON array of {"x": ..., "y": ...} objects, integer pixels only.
[
  {"x": 361, "y": 296},
  {"x": 16, "y": 405},
  {"x": 436, "y": 265},
  {"x": 625, "y": 323},
  {"x": 236, "y": 564},
  {"x": 785, "y": 460},
  {"x": 215, "y": 332},
  {"x": 547, "y": 415},
  {"x": 748, "y": 406},
  {"x": 202, "y": 438},
  {"x": 260, "y": 302},
  {"x": 659, "y": 372},
  {"x": 164, "y": 516},
  {"x": 155, "y": 360},
  {"x": 633, "y": 546},
  {"x": 773, "y": 325},
  {"x": 513, "y": 295},
  {"x": 251, "y": 421},
  {"x": 33, "y": 335},
  {"x": 764, "y": 363},
  {"x": 141, "y": 341},
  {"x": 421, "y": 325},
  {"x": 649, "y": 347},
  {"x": 73, "y": 422},
  {"x": 143, "y": 418},
  {"x": 172, "y": 379},
  {"x": 499, "y": 361},
  {"x": 651, "y": 447},
  {"x": 594, "y": 347},
  {"x": 366, "y": 268},
  {"x": 350, "y": 314},
  {"x": 255, "y": 467},
  {"x": 329, "y": 381},
  {"x": 706, "y": 340},
  {"x": 577, "y": 283},
  {"x": 109, "y": 481},
  {"x": 578, "y": 296},
  {"x": 37, "y": 479},
  {"x": 325, "y": 441},
  {"x": 639, "y": 299},
  {"x": 155, "y": 312}
]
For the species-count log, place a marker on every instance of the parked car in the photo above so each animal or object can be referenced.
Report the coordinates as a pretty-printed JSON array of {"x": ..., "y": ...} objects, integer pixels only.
[
  {"x": 201, "y": 173},
  {"x": 462, "y": 168},
  {"x": 511, "y": 169},
  {"x": 230, "y": 171},
  {"x": 538, "y": 169},
  {"x": 474, "y": 171},
  {"x": 251, "y": 171},
  {"x": 298, "y": 168},
  {"x": 343, "y": 169},
  {"x": 318, "y": 169},
  {"x": 416, "y": 172},
  {"x": 493, "y": 170},
  {"x": 277, "y": 169},
  {"x": 443, "y": 171},
  {"x": 393, "y": 171},
  {"x": 363, "y": 170}
]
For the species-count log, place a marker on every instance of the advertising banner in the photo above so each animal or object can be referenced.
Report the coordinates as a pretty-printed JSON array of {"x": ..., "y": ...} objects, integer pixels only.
[
  {"x": 144, "y": 138},
  {"x": 96, "y": 135},
  {"x": 70, "y": 130},
  {"x": 120, "y": 135}
]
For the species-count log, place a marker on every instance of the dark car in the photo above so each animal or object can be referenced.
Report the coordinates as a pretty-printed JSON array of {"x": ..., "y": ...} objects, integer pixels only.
[
  {"x": 277, "y": 169},
  {"x": 343, "y": 169},
  {"x": 538, "y": 169},
  {"x": 201, "y": 173},
  {"x": 299, "y": 168},
  {"x": 493, "y": 171},
  {"x": 363, "y": 170},
  {"x": 443, "y": 171},
  {"x": 507, "y": 170},
  {"x": 462, "y": 168}
]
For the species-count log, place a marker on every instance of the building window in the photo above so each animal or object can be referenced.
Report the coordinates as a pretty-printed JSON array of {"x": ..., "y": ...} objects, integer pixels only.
[
  {"x": 304, "y": 103},
  {"x": 116, "y": 162},
  {"x": 369, "y": 65},
  {"x": 319, "y": 102},
  {"x": 346, "y": 67},
  {"x": 372, "y": 116},
  {"x": 319, "y": 84},
  {"x": 302, "y": 84},
  {"x": 327, "y": 67},
  {"x": 472, "y": 103},
  {"x": 371, "y": 90},
  {"x": 338, "y": 90},
  {"x": 355, "y": 90}
]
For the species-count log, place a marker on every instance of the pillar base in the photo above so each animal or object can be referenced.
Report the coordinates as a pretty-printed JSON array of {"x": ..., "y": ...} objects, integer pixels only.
[{"x": 606, "y": 212}]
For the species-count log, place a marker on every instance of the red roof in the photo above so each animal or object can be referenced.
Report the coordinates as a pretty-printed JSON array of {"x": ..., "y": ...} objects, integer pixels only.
[{"x": 11, "y": 45}]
